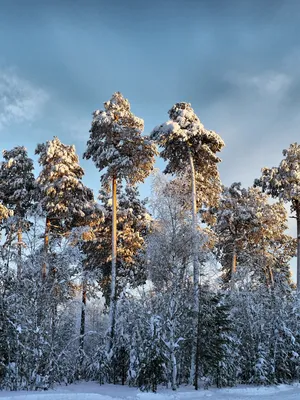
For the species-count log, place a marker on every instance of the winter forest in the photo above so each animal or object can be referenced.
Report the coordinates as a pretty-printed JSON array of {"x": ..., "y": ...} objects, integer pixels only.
[{"x": 190, "y": 286}]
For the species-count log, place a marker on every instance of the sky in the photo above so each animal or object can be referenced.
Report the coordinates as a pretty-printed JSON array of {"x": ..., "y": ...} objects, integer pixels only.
[{"x": 236, "y": 62}]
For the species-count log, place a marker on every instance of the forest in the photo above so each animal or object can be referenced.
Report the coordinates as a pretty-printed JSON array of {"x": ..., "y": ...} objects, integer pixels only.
[{"x": 190, "y": 286}]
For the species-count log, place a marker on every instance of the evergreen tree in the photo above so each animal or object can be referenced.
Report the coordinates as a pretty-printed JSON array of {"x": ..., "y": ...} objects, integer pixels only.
[
  {"x": 251, "y": 231},
  {"x": 283, "y": 182},
  {"x": 116, "y": 145},
  {"x": 66, "y": 201},
  {"x": 17, "y": 192},
  {"x": 132, "y": 226},
  {"x": 188, "y": 145}
]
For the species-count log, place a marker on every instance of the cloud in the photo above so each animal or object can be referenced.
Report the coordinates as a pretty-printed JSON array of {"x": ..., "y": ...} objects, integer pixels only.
[
  {"x": 76, "y": 128},
  {"x": 20, "y": 100},
  {"x": 270, "y": 84}
]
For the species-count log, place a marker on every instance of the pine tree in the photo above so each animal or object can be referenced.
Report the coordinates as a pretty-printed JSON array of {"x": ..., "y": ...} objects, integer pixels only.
[
  {"x": 17, "y": 191},
  {"x": 283, "y": 182},
  {"x": 187, "y": 145},
  {"x": 251, "y": 231},
  {"x": 66, "y": 201},
  {"x": 133, "y": 225},
  {"x": 116, "y": 145}
]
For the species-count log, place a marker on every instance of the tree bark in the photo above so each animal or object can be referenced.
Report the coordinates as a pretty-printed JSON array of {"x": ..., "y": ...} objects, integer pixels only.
[
  {"x": 112, "y": 310},
  {"x": 19, "y": 266},
  {"x": 46, "y": 247},
  {"x": 82, "y": 322},
  {"x": 233, "y": 266},
  {"x": 298, "y": 246},
  {"x": 197, "y": 355},
  {"x": 195, "y": 261},
  {"x": 271, "y": 276},
  {"x": 83, "y": 310},
  {"x": 194, "y": 227}
]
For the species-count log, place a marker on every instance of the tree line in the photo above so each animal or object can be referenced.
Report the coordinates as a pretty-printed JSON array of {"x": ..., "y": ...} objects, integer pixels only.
[{"x": 192, "y": 286}]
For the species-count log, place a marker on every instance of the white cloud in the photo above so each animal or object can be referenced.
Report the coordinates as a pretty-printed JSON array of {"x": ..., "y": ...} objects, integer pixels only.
[
  {"x": 271, "y": 83},
  {"x": 20, "y": 100}
]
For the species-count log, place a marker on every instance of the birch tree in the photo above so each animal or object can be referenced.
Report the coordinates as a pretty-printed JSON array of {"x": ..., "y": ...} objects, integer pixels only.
[
  {"x": 283, "y": 182},
  {"x": 117, "y": 147}
]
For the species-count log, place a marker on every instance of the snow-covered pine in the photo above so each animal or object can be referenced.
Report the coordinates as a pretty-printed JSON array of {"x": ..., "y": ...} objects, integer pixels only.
[
  {"x": 187, "y": 144},
  {"x": 17, "y": 182},
  {"x": 117, "y": 146},
  {"x": 66, "y": 201},
  {"x": 283, "y": 182},
  {"x": 251, "y": 233},
  {"x": 133, "y": 226},
  {"x": 17, "y": 192}
]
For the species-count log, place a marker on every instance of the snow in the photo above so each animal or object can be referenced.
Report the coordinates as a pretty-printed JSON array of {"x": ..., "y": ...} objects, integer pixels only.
[{"x": 94, "y": 391}]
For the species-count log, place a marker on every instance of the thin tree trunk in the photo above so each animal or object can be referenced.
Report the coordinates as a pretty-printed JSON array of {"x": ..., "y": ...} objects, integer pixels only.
[
  {"x": 46, "y": 247},
  {"x": 83, "y": 310},
  {"x": 197, "y": 355},
  {"x": 195, "y": 261},
  {"x": 298, "y": 247},
  {"x": 233, "y": 266},
  {"x": 194, "y": 222},
  {"x": 19, "y": 266},
  {"x": 112, "y": 310},
  {"x": 271, "y": 276}
]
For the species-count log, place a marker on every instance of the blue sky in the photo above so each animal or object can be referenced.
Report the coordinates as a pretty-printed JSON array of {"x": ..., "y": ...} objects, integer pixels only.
[{"x": 236, "y": 61}]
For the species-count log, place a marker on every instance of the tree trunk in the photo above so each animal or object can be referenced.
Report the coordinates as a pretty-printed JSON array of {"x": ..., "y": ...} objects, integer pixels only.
[
  {"x": 46, "y": 246},
  {"x": 112, "y": 310},
  {"x": 298, "y": 247},
  {"x": 197, "y": 355},
  {"x": 195, "y": 259},
  {"x": 83, "y": 309},
  {"x": 19, "y": 266},
  {"x": 233, "y": 266},
  {"x": 194, "y": 222},
  {"x": 271, "y": 276}
]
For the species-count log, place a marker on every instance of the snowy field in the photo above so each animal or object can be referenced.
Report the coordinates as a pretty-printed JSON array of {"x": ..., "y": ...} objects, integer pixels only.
[{"x": 92, "y": 391}]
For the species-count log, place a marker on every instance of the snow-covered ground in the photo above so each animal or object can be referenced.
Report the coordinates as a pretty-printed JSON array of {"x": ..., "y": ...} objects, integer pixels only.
[{"x": 92, "y": 391}]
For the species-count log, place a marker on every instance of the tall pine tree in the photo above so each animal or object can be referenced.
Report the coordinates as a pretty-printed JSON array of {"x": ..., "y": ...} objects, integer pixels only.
[{"x": 117, "y": 146}]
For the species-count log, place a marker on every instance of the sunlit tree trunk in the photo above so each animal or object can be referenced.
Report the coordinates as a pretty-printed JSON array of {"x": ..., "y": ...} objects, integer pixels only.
[
  {"x": 194, "y": 223},
  {"x": 195, "y": 260},
  {"x": 46, "y": 247},
  {"x": 112, "y": 311}
]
